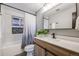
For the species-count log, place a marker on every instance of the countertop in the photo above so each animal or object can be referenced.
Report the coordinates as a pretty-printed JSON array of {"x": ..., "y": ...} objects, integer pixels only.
[{"x": 67, "y": 44}]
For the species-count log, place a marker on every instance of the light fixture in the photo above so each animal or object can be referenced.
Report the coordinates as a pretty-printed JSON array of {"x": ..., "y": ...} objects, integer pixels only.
[{"x": 49, "y": 6}]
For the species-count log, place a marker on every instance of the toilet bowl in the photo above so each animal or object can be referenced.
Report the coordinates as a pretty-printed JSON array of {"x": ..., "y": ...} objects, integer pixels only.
[{"x": 29, "y": 49}]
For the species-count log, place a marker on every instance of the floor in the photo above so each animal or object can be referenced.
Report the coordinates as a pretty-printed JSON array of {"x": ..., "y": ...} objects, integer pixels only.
[{"x": 22, "y": 54}]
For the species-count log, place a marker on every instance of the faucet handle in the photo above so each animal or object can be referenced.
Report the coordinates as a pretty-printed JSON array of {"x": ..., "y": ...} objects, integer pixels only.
[{"x": 53, "y": 35}]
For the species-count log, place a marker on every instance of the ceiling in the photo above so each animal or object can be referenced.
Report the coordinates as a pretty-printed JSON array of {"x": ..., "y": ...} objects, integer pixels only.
[
  {"x": 33, "y": 8},
  {"x": 28, "y": 7}
]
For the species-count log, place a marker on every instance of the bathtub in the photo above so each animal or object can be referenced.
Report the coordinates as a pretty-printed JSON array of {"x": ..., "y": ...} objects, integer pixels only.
[{"x": 11, "y": 49}]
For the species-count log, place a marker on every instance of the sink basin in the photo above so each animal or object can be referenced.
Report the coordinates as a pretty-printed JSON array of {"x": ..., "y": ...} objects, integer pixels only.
[{"x": 51, "y": 39}]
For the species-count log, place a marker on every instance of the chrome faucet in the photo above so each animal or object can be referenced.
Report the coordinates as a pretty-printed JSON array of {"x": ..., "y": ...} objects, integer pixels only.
[{"x": 53, "y": 35}]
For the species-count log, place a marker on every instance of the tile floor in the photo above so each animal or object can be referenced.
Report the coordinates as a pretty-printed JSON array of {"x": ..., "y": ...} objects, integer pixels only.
[{"x": 21, "y": 54}]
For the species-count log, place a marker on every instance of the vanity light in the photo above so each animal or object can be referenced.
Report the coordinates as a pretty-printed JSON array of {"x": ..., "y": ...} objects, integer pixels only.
[{"x": 49, "y": 6}]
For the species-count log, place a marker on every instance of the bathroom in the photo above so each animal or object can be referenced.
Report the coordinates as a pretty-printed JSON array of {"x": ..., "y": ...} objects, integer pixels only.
[{"x": 29, "y": 28}]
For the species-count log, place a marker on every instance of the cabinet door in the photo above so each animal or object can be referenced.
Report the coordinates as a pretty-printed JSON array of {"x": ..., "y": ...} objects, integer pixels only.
[
  {"x": 74, "y": 54},
  {"x": 49, "y": 54},
  {"x": 39, "y": 51}
]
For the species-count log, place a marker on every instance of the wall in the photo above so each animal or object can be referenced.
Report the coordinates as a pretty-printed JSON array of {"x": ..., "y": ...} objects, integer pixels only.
[
  {"x": 0, "y": 28},
  {"x": 63, "y": 18},
  {"x": 77, "y": 9},
  {"x": 39, "y": 20},
  {"x": 0, "y": 32},
  {"x": 66, "y": 15},
  {"x": 65, "y": 32},
  {"x": 11, "y": 43},
  {"x": 45, "y": 24}
]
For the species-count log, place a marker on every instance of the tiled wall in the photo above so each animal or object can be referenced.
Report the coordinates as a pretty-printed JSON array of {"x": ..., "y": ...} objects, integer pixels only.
[
  {"x": 7, "y": 38},
  {"x": 65, "y": 32}
]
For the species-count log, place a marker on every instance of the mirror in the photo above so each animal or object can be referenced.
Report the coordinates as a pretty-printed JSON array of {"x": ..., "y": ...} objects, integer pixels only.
[{"x": 62, "y": 16}]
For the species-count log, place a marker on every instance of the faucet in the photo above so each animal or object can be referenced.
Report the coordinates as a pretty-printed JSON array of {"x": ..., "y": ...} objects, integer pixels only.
[{"x": 53, "y": 35}]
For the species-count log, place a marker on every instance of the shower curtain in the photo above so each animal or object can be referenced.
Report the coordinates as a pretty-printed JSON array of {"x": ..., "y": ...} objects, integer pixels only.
[{"x": 29, "y": 31}]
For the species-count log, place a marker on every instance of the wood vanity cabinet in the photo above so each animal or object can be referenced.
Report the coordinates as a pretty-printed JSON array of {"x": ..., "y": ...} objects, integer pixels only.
[
  {"x": 39, "y": 51},
  {"x": 49, "y": 53},
  {"x": 43, "y": 48}
]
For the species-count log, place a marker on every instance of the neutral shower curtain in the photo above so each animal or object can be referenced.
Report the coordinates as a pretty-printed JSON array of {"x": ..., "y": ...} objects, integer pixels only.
[{"x": 29, "y": 31}]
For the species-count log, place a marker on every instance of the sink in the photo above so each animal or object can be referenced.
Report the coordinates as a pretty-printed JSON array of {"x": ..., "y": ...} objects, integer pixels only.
[{"x": 51, "y": 39}]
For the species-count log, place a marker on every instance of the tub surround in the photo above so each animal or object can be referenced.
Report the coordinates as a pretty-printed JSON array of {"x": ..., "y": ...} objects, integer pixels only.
[
  {"x": 63, "y": 45},
  {"x": 10, "y": 43}
]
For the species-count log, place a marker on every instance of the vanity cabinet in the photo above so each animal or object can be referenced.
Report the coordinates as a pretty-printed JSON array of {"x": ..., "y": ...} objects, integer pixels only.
[
  {"x": 49, "y": 53},
  {"x": 43, "y": 48},
  {"x": 39, "y": 51}
]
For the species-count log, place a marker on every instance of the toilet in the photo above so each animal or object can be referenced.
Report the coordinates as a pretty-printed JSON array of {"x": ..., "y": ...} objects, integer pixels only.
[{"x": 29, "y": 49}]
